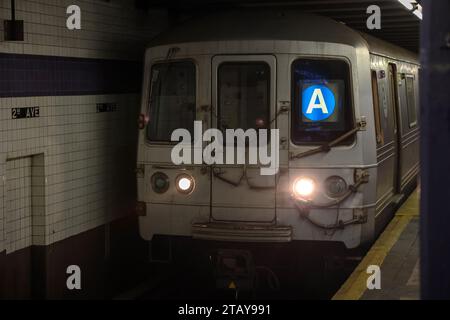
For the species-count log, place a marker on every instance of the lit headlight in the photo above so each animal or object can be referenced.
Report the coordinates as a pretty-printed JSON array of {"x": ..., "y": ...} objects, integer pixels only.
[
  {"x": 304, "y": 188},
  {"x": 160, "y": 182},
  {"x": 335, "y": 186},
  {"x": 185, "y": 183}
]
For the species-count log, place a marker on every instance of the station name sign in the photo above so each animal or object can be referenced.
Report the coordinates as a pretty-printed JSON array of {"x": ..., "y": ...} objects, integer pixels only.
[
  {"x": 25, "y": 113},
  {"x": 106, "y": 107}
]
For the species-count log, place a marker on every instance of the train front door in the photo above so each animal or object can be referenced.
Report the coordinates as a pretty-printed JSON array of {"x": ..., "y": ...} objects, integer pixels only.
[{"x": 243, "y": 97}]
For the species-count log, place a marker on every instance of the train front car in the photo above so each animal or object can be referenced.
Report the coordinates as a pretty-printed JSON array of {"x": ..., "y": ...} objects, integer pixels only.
[{"x": 307, "y": 77}]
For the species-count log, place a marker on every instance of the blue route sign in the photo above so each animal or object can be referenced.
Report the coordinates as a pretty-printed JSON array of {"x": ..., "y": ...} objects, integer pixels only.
[{"x": 318, "y": 102}]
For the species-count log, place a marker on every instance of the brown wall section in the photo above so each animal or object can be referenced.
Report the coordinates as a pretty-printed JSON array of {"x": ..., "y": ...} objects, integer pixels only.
[
  {"x": 112, "y": 258},
  {"x": 16, "y": 280},
  {"x": 2, "y": 274}
]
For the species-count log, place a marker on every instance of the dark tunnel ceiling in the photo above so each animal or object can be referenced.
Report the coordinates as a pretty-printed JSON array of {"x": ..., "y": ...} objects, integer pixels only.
[{"x": 398, "y": 24}]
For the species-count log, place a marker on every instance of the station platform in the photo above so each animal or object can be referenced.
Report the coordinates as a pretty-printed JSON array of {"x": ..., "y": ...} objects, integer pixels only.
[{"x": 396, "y": 252}]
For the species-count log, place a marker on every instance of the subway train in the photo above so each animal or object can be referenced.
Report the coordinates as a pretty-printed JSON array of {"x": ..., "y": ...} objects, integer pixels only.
[{"x": 346, "y": 108}]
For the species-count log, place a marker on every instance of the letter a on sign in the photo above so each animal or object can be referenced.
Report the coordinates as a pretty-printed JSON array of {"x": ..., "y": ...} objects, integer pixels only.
[
  {"x": 318, "y": 102},
  {"x": 317, "y": 94}
]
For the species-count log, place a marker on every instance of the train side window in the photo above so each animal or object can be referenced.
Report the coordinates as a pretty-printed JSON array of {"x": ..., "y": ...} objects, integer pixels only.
[
  {"x": 172, "y": 99},
  {"x": 243, "y": 95},
  {"x": 410, "y": 100},
  {"x": 376, "y": 108}
]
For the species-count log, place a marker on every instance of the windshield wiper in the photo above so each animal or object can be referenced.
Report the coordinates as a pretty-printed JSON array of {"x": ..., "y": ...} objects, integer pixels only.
[
  {"x": 157, "y": 77},
  {"x": 326, "y": 147},
  {"x": 155, "y": 80}
]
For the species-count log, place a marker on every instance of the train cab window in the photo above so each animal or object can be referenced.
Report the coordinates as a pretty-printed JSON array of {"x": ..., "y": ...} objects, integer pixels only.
[
  {"x": 376, "y": 108},
  {"x": 410, "y": 100},
  {"x": 172, "y": 99},
  {"x": 322, "y": 107},
  {"x": 243, "y": 95}
]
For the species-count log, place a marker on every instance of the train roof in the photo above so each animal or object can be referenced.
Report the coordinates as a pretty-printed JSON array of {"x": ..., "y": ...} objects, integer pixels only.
[
  {"x": 263, "y": 24},
  {"x": 381, "y": 47}
]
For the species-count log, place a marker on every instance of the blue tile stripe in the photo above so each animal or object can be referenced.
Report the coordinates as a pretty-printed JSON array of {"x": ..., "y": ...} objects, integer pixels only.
[{"x": 24, "y": 75}]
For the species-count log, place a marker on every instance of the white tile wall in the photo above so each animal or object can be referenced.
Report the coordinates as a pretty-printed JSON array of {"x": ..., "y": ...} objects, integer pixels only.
[
  {"x": 38, "y": 201},
  {"x": 25, "y": 202},
  {"x": 70, "y": 152},
  {"x": 81, "y": 148},
  {"x": 18, "y": 224},
  {"x": 111, "y": 29}
]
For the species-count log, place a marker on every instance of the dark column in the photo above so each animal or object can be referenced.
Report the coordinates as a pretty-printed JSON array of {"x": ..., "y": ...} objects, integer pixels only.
[{"x": 435, "y": 152}]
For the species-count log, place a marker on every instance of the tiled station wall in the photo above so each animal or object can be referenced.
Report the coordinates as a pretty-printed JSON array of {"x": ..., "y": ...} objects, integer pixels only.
[{"x": 69, "y": 170}]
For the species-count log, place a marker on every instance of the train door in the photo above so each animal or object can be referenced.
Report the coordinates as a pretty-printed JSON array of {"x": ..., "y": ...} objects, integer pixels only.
[
  {"x": 410, "y": 131},
  {"x": 394, "y": 101},
  {"x": 243, "y": 97}
]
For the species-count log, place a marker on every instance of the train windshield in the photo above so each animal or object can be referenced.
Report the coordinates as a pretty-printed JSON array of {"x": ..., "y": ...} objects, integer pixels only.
[
  {"x": 243, "y": 95},
  {"x": 172, "y": 99},
  {"x": 322, "y": 109}
]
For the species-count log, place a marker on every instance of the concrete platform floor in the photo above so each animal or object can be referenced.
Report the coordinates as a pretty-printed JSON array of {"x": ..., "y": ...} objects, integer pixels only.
[{"x": 396, "y": 252}]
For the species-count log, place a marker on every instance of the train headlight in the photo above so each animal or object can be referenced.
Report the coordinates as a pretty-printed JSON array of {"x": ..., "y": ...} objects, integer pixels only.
[
  {"x": 304, "y": 188},
  {"x": 160, "y": 182},
  {"x": 185, "y": 183},
  {"x": 335, "y": 186}
]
